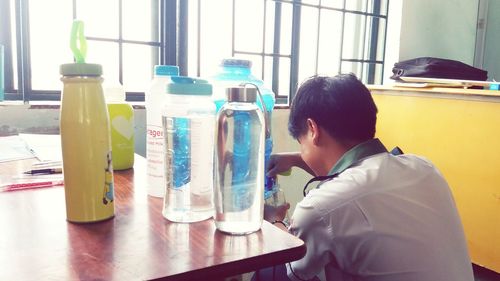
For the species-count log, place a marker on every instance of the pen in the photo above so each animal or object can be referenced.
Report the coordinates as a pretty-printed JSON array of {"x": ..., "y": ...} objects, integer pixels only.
[
  {"x": 44, "y": 171},
  {"x": 30, "y": 185}
]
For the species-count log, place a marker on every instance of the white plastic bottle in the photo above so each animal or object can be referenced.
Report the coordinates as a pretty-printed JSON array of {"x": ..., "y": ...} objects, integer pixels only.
[{"x": 155, "y": 100}]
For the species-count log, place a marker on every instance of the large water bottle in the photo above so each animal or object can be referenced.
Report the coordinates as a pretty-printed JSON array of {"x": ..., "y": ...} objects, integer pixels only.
[
  {"x": 155, "y": 100},
  {"x": 239, "y": 201},
  {"x": 233, "y": 73},
  {"x": 188, "y": 124}
]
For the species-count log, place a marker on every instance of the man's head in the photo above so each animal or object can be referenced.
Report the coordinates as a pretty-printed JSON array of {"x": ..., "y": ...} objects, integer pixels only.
[
  {"x": 341, "y": 105},
  {"x": 329, "y": 116}
]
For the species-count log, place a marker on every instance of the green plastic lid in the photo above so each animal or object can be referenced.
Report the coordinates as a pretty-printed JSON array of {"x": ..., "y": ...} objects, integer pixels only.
[
  {"x": 183, "y": 85},
  {"x": 78, "y": 45},
  {"x": 81, "y": 69}
]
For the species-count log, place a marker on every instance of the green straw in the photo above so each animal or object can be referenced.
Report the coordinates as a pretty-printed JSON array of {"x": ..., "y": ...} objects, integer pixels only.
[{"x": 78, "y": 43}]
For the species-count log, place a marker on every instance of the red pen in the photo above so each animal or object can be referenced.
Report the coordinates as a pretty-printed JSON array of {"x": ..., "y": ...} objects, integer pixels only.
[{"x": 30, "y": 185}]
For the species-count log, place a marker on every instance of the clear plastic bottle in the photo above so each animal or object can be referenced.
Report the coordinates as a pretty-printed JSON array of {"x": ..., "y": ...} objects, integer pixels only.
[
  {"x": 234, "y": 73},
  {"x": 239, "y": 202},
  {"x": 86, "y": 145},
  {"x": 155, "y": 101},
  {"x": 121, "y": 118},
  {"x": 188, "y": 123}
]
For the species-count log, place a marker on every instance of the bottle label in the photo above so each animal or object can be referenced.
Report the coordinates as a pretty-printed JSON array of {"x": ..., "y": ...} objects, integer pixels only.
[
  {"x": 155, "y": 160},
  {"x": 108, "y": 194}
]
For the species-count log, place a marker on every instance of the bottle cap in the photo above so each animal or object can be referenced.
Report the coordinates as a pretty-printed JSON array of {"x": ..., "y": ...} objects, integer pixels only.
[
  {"x": 183, "y": 85},
  {"x": 81, "y": 69},
  {"x": 114, "y": 93},
  {"x": 241, "y": 94},
  {"x": 236, "y": 63},
  {"x": 78, "y": 45},
  {"x": 166, "y": 70}
]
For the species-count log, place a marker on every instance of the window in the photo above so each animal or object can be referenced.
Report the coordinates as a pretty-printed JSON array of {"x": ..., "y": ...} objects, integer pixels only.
[
  {"x": 287, "y": 41},
  {"x": 122, "y": 35}
]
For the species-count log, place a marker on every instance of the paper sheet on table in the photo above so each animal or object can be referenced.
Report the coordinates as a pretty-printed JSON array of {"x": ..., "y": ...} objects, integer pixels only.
[
  {"x": 13, "y": 148},
  {"x": 44, "y": 147}
]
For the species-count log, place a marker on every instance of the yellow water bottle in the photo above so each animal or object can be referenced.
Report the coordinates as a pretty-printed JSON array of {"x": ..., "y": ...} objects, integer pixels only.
[
  {"x": 85, "y": 139},
  {"x": 121, "y": 118}
]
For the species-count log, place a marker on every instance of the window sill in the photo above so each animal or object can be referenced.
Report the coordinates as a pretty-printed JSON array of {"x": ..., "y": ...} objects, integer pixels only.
[{"x": 51, "y": 104}]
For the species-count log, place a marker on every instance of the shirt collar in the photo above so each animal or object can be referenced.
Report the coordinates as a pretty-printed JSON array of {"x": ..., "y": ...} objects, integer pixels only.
[{"x": 357, "y": 153}]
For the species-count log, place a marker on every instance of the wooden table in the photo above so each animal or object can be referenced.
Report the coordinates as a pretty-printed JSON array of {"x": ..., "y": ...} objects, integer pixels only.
[{"x": 37, "y": 243}]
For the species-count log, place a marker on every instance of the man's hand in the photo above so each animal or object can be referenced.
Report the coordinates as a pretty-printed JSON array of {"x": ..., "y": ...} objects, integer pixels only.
[
  {"x": 281, "y": 163},
  {"x": 278, "y": 213}
]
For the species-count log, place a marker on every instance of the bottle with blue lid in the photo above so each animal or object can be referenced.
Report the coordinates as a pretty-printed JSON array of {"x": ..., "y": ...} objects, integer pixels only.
[
  {"x": 188, "y": 125},
  {"x": 234, "y": 73}
]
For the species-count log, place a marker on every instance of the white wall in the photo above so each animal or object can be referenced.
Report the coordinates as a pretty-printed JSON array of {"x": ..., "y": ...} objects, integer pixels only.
[
  {"x": 491, "y": 53},
  {"x": 44, "y": 119},
  {"x": 292, "y": 185},
  {"x": 444, "y": 29}
]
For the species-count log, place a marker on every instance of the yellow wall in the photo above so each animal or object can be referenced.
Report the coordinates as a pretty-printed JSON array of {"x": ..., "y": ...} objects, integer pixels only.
[{"x": 461, "y": 136}]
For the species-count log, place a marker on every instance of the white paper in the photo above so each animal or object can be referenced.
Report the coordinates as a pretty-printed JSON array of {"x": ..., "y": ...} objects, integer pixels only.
[
  {"x": 13, "y": 148},
  {"x": 44, "y": 147}
]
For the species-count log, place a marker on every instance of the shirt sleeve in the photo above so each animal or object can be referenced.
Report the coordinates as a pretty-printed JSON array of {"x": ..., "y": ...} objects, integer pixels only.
[{"x": 309, "y": 226}]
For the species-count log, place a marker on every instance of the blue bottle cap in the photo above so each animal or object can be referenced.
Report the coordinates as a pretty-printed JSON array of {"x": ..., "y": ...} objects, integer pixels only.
[
  {"x": 183, "y": 85},
  {"x": 166, "y": 70}
]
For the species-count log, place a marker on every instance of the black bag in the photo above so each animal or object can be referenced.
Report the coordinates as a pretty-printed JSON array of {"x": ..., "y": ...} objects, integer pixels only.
[{"x": 437, "y": 68}]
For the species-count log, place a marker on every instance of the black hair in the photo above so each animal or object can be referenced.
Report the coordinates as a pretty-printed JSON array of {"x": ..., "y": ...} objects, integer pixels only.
[{"x": 341, "y": 105}]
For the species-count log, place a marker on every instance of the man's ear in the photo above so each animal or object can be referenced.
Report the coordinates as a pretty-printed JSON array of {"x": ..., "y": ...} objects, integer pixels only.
[{"x": 313, "y": 131}]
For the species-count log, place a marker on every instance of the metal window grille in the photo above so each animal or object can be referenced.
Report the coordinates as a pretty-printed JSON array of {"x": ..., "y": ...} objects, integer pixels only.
[
  {"x": 23, "y": 90},
  {"x": 369, "y": 64},
  {"x": 173, "y": 42}
]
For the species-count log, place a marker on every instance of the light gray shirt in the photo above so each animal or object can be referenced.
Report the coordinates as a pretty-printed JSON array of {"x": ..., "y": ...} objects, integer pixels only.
[{"x": 385, "y": 218}]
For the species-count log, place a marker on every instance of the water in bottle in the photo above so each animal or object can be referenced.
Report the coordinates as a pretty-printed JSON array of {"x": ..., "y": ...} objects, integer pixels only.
[
  {"x": 188, "y": 123},
  {"x": 239, "y": 200},
  {"x": 155, "y": 101}
]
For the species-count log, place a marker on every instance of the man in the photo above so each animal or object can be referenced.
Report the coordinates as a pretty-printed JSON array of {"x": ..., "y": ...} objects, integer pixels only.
[{"x": 375, "y": 216}]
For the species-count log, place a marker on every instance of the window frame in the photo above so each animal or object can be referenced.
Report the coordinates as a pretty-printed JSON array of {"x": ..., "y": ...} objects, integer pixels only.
[
  {"x": 26, "y": 93},
  {"x": 173, "y": 44}
]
